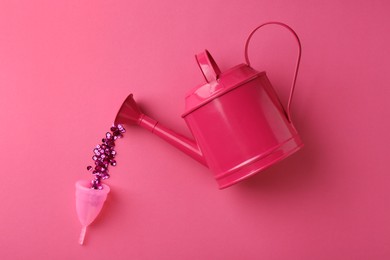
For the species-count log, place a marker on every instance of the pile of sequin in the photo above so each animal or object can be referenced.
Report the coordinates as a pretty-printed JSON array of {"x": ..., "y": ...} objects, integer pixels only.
[{"x": 104, "y": 156}]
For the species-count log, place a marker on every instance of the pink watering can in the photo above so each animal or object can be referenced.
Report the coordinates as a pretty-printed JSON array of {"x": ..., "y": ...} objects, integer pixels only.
[{"x": 238, "y": 123}]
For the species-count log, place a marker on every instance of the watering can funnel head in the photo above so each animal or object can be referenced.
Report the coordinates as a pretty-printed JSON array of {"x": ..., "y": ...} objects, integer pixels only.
[{"x": 129, "y": 113}]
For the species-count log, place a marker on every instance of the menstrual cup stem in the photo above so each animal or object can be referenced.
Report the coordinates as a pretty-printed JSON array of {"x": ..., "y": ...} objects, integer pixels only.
[{"x": 82, "y": 235}]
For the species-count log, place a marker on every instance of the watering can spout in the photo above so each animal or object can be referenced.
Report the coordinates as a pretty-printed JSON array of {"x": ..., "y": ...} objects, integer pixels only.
[{"x": 130, "y": 114}]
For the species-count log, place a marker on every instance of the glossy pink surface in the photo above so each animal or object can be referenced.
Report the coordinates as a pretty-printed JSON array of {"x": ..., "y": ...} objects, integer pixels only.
[{"x": 66, "y": 66}]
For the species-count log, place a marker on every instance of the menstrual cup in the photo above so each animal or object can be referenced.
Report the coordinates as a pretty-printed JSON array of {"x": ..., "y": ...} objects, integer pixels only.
[{"x": 89, "y": 202}]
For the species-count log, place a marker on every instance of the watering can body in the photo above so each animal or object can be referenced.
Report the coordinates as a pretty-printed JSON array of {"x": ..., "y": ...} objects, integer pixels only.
[{"x": 238, "y": 123}]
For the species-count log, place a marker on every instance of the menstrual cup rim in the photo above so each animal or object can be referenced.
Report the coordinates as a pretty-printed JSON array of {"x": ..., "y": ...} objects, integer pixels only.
[{"x": 83, "y": 186}]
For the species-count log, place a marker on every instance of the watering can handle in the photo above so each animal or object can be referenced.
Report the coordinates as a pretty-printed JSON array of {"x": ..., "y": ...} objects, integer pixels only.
[{"x": 297, "y": 63}]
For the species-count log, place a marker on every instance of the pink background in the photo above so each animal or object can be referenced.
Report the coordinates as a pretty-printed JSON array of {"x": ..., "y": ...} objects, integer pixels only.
[{"x": 66, "y": 66}]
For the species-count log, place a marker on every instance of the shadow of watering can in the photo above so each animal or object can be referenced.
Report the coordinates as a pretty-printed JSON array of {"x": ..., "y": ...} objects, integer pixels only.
[{"x": 236, "y": 118}]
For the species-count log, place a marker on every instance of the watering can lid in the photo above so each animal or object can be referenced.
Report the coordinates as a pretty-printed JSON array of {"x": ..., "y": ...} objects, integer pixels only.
[{"x": 217, "y": 82}]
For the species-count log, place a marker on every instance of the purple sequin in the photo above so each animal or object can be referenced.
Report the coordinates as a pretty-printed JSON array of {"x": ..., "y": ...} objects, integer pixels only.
[{"x": 103, "y": 156}]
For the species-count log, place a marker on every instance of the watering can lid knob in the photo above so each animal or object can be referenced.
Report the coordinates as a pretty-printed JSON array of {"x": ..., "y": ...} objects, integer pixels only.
[{"x": 208, "y": 66}]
